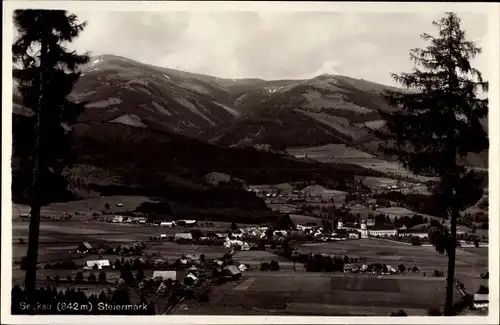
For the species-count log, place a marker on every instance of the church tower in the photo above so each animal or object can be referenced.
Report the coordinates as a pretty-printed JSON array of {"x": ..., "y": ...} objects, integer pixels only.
[
  {"x": 364, "y": 231},
  {"x": 340, "y": 224}
]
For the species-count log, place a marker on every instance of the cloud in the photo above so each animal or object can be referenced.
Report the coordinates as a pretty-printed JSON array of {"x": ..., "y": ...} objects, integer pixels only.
[{"x": 269, "y": 45}]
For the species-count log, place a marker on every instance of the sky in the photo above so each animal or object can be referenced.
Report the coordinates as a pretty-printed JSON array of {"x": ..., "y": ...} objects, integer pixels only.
[{"x": 271, "y": 45}]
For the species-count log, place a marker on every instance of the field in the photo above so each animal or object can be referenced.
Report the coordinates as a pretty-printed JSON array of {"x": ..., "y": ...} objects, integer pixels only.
[
  {"x": 285, "y": 292},
  {"x": 399, "y": 212},
  {"x": 340, "y": 153},
  {"x": 302, "y": 293},
  {"x": 86, "y": 207}
]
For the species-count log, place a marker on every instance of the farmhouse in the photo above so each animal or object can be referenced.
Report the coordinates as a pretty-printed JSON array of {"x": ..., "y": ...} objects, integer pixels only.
[
  {"x": 165, "y": 275},
  {"x": 365, "y": 230},
  {"x": 167, "y": 224},
  {"x": 413, "y": 233},
  {"x": 370, "y": 222},
  {"x": 350, "y": 267},
  {"x": 480, "y": 301},
  {"x": 118, "y": 219},
  {"x": 100, "y": 264},
  {"x": 186, "y": 223},
  {"x": 183, "y": 236},
  {"x": 232, "y": 272},
  {"x": 190, "y": 279},
  {"x": 382, "y": 230},
  {"x": 84, "y": 247}
]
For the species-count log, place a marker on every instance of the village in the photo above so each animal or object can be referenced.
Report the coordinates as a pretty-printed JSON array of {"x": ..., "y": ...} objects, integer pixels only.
[{"x": 179, "y": 264}]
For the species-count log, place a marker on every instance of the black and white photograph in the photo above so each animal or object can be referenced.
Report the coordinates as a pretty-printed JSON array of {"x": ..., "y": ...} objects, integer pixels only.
[{"x": 250, "y": 159}]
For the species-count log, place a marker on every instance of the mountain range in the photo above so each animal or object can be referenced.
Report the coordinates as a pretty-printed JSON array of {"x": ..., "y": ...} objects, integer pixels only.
[
  {"x": 141, "y": 117},
  {"x": 231, "y": 112}
]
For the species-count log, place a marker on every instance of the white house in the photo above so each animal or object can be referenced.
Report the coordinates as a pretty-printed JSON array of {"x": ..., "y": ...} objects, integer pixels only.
[
  {"x": 370, "y": 222},
  {"x": 118, "y": 219},
  {"x": 382, "y": 230},
  {"x": 101, "y": 264},
  {"x": 167, "y": 224}
]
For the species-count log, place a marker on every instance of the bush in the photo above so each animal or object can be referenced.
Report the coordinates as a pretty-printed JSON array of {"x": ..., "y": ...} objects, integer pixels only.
[
  {"x": 92, "y": 278},
  {"x": 434, "y": 312},
  {"x": 57, "y": 279},
  {"x": 400, "y": 312},
  {"x": 79, "y": 277},
  {"x": 274, "y": 266},
  {"x": 102, "y": 277},
  {"x": 437, "y": 273},
  {"x": 264, "y": 266},
  {"x": 69, "y": 278}
]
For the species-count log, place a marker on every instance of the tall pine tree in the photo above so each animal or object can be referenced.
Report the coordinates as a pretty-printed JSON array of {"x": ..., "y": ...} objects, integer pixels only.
[
  {"x": 45, "y": 72},
  {"x": 436, "y": 123}
]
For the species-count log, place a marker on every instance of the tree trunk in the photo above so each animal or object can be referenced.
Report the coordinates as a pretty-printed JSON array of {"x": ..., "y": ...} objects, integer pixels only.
[
  {"x": 36, "y": 188},
  {"x": 450, "y": 281}
]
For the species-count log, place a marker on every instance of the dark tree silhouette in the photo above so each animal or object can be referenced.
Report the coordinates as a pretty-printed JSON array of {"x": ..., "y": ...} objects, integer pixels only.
[
  {"x": 79, "y": 277},
  {"x": 44, "y": 78},
  {"x": 102, "y": 277},
  {"x": 438, "y": 123}
]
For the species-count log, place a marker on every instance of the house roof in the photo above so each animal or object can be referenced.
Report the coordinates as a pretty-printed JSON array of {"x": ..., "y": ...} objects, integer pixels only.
[
  {"x": 166, "y": 275},
  {"x": 188, "y": 221},
  {"x": 86, "y": 244},
  {"x": 480, "y": 297},
  {"x": 381, "y": 227},
  {"x": 232, "y": 269},
  {"x": 98, "y": 262}
]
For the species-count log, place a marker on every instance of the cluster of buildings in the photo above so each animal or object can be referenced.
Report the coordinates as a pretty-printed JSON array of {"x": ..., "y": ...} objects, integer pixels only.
[
  {"x": 311, "y": 193},
  {"x": 368, "y": 228},
  {"x": 128, "y": 219}
]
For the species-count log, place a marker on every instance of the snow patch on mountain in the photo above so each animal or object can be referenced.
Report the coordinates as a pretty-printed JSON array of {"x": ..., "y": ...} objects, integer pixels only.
[
  {"x": 196, "y": 87},
  {"x": 229, "y": 109},
  {"x": 129, "y": 119},
  {"x": 161, "y": 109},
  {"x": 375, "y": 124},
  {"x": 105, "y": 103},
  {"x": 184, "y": 102}
]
